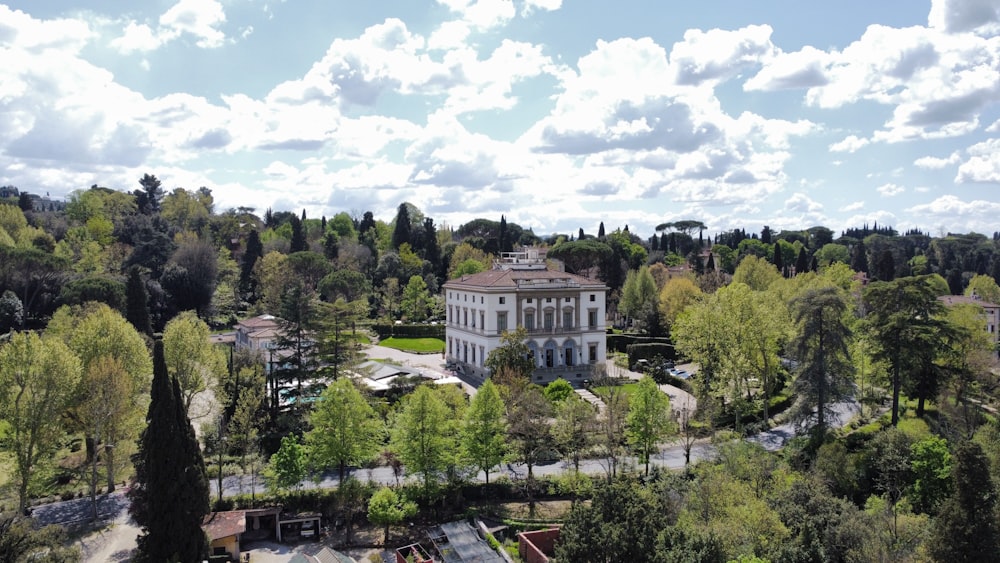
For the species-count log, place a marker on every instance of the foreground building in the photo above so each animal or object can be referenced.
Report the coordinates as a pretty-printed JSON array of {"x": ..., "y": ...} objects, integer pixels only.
[{"x": 564, "y": 315}]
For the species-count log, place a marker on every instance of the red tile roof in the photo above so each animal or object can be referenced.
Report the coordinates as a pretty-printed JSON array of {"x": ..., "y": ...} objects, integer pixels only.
[
  {"x": 218, "y": 525},
  {"x": 509, "y": 278}
]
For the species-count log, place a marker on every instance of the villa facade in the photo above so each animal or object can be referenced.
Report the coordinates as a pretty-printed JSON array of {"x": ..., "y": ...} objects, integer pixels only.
[{"x": 564, "y": 315}]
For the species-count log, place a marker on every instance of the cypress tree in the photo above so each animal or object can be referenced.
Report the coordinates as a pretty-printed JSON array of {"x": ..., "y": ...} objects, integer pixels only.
[
  {"x": 401, "y": 234},
  {"x": 600, "y": 230},
  {"x": 779, "y": 262},
  {"x": 298, "y": 243},
  {"x": 137, "y": 303},
  {"x": 859, "y": 261},
  {"x": 801, "y": 262},
  {"x": 505, "y": 245},
  {"x": 253, "y": 252},
  {"x": 710, "y": 266},
  {"x": 169, "y": 498}
]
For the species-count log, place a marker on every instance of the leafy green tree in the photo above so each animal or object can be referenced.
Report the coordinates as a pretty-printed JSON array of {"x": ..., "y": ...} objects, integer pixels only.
[
  {"x": 287, "y": 466},
  {"x": 169, "y": 496},
  {"x": 558, "y": 391},
  {"x": 648, "y": 420},
  {"x": 191, "y": 275},
  {"x": 484, "y": 430},
  {"x": 984, "y": 287},
  {"x": 966, "y": 527},
  {"x": 94, "y": 288},
  {"x": 512, "y": 357},
  {"x": 675, "y": 296},
  {"x": 37, "y": 380},
  {"x": 639, "y": 295},
  {"x": 756, "y": 272},
  {"x": 575, "y": 428},
  {"x": 420, "y": 435},
  {"x": 416, "y": 301},
  {"x": 22, "y": 540},
  {"x": 931, "y": 463},
  {"x": 191, "y": 358},
  {"x": 904, "y": 320},
  {"x": 580, "y": 256},
  {"x": 345, "y": 429},
  {"x": 11, "y": 312},
  {"x": 106, "y": 414},
  {"x": 528, "y": 427},
  {"x": 386, "y": 509},
  {"x": 95, "y": 332},
  {"x": 821, "y": 347}
]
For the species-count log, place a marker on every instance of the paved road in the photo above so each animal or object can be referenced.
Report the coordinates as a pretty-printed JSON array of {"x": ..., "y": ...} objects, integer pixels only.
[
  {"x": 671, "y": 456},
  {"x": 109, "y": 506}
]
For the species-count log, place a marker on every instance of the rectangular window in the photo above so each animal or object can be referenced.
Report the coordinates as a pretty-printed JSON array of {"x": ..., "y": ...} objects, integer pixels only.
[
  {"x": 592, "y": 353},
  {"x": 548, "y": 300},
  {"x": 592, "y": 318},
  {"x": 482, "y": 355},
  {"x": 529, "y": 320},
  {"x": 549, "y": 320},
  {"x": 529, "y": 300},
  {"x": 501, "y": 321},
  {"x": 567, "y": 319},
  {"x": 473, "y": 318},
  {"x": 593, "y": 298},
  {"x": 567, "y": 299},
  {"x": 503, "y": 300},
  {"x": 569, "y": 356},
  {"x": 482, "y": 319},
  {"x": 473, "y": 354},
  {"x": 465, "y": 317}
]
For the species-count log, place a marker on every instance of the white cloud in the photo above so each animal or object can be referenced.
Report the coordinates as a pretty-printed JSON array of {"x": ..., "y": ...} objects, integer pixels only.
[
  {"x": 801, "y": 203},
  {"x": 936, "y": 163},
  {"x": 975, "y": 215},
  {"x": 136, "y": 37},
  {"x": 718, "y": 54},
  {"x": 983, "y": 164},
  {"x": 199, "y": 18},
  {"x": 850, "y": 144},
  {"x": 855, "y": 206},
  {"x": 531, "y": 6},
  {"x": 889, "y": 190},
  {"x": 800, "y": 69},
  {"x": 482, "y": 14},
  {"x": 955, "y": 16}
]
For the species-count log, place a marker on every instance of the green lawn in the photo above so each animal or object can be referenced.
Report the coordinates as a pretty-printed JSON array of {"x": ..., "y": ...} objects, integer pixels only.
[{"x": 417, "y": 345}]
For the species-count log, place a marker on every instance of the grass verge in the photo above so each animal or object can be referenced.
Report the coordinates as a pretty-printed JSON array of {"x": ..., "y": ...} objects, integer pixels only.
[{"x": 416, "y": 345}]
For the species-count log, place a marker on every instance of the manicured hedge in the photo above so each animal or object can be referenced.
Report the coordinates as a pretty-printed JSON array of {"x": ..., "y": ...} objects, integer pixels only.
[
  {"x": 621, "y": 342},
  {"x": 409, "y": 331},
  {"x": 648, "y": 351}
]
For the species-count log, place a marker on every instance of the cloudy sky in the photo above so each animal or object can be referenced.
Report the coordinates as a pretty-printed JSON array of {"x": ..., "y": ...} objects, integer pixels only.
[{"x": 557, "y": 114}]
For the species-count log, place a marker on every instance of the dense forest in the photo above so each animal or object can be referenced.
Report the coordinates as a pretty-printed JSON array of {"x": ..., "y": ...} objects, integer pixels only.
[{"x": 785, "y": 324}]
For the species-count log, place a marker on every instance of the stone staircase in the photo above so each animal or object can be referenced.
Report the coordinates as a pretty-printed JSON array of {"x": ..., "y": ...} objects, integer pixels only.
[{"x": 591, "y": 398}]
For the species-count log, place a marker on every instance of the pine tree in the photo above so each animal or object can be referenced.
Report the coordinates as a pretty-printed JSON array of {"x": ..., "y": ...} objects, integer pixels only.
[
  {"x": 966, "y": 529},
  {"x": 153, "y": 192},
  {"x": 169, "y": 498},
  {"x": 137, "y": 303}
]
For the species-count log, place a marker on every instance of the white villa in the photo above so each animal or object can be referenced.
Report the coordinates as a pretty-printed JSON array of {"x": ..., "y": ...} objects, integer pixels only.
[{"x": 563, "y": 313}]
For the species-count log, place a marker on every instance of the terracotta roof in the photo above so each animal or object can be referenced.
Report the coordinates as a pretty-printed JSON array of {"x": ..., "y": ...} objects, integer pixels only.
[
  {"x": 956, "y": 299},
  {"x": 218, "y": 525},
  {"x": 260, "y": 321},
  {"x": 509, "y": 278}
]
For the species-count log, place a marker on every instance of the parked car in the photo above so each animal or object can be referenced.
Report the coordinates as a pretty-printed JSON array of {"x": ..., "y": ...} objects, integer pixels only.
[
  {"x": 679, "y": 373},
  {"x": 308, "y": 529}
]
